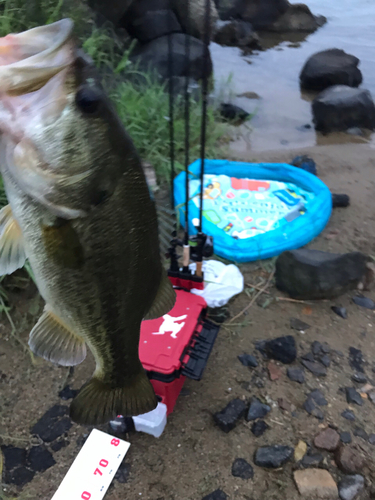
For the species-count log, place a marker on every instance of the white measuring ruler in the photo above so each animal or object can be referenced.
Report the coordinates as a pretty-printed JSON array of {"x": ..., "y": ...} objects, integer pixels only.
[{"x": 94, "y": 468}]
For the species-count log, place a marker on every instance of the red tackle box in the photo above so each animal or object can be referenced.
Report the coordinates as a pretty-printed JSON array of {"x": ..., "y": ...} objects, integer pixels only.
[{"x": 177, "y": 346}]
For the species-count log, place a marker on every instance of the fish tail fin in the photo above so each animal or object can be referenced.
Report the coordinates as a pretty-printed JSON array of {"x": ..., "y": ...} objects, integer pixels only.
[{"x": 98, "y": 402}]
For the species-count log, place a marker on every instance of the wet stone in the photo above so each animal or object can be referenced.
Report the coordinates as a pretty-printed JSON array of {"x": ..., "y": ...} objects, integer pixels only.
[
  {"x": 352, "y": 396},
  {"x": 359, "y": 432},
  {"x": 362, "y": 301},
  {"x": 40, "y": 459},
  {"x": 297, "y": 324},
  {"x": 123, "y": 473},
  {"x": 316, "y": 347},
  {"x": 20, "y": 476},
  {"x": 309, "y": 356},
  {"x": 351, "y": 486},
  {"x": 311, "y": 408},
  {"x": 242, "y": 469},
  {"x": 349, "y": 415},
  {"x": 296, "y": 375},
  {"x": 356, "y": 359},
  {"x": 227, "y": 418},
  {"x": 216, "y": 495},
  {"x": 58, "y": 445},
  {"x": 259, "y": 428},
  {"x": 273, "y": 457},
  {"x": 13, "y": 457},
  {"x": 312, "y": 460},
  {"x": 257, "y": 410},
  {"x": 282, "y": 349},
  {"x": 360, "y": 378},
  {"x": 315, "y": 483},
  {"x": 315, "y": 368},
  {"x": 346, "y": 437},
  {"x": 325, "y": 360},
  {"x": 68, "y": 393},
  {"x": 248, "y": 360},
  {"x": 349, "y": 460},
  {"x": 340, "y": 311},
  {"x": 328, "y": 440},
  {"x": 318, "y": 397}
]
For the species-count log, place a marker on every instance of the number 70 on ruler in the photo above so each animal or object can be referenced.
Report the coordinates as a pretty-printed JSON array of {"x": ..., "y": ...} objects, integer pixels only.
[{"x": 94, "y": 468}]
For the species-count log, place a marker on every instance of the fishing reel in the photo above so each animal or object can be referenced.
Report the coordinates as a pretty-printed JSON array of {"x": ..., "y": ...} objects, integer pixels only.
[{"x": 201, "y": 245}]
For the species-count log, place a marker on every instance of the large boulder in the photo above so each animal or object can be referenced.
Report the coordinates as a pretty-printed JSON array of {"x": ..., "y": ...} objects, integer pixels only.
[
  {"x": 113, "y": 10},
  {"x": 236, "y": 33},
  {"x": 154, "y": 56},
  {"x": 260, "y": 13},
  {"x": 192, "y": 16},
  {"x": 310, "y": 274},
  {"x": 341, "y": 107},
  {"x": 152, "y": 24},
  {"x": 298, "y": 17},
  {"x": 330, "y": 67}
]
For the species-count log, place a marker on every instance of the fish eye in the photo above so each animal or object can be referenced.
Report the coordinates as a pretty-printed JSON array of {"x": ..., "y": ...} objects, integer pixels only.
[{"x": 87, "y": 100}]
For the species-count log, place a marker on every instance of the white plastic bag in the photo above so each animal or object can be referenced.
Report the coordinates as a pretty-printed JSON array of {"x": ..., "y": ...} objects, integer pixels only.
[{"x": 221, "y": 282}]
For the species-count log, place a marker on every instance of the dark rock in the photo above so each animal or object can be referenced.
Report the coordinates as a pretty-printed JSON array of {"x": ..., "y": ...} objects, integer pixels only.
[
  {"x": 350, "y": 486},
  {"x": 298, "y": 18},
  {"x": 113, "y": 10},
  {"x": 299, "y": 325},
  {"x": 360, "y": 378},
  {"x": 216, "y": 495},
  {"x": 242, "y": 469},
  {"x": 365, "y": 302},
  {"x": 273, "y": 457},
  {"x": 40, "y": 459},
  {"x": 308, "y": 357},
  {"x": 232, "y": 113},
  {"x": 68, "y": 393},
  {"x": 227, "y": 418},
  {"x": 123, "y": 473},
  {"x": 326, "y": 348},
  {"x": 296, "y": 375},
  {"x": 316, "y": 348},
  {"x": 313, "y": 460},
  {"x": 356, "y": 359},
  {"x": 261, "y": 345},
  {"x": 13, "y": 457},
  {"x": 340, "y": 311},
  {"x": 315, "y": 368},
  {"x": 282, "y": 349},
  {"x": 346, "y": 437},
  {"x": 352, "y": 396},
  {"x": 349, "y": 415},
  {"x": 325, "y": 360},
  {"x": 329, "y": 440},
  {"x": 257, "y": 410},
  {"x": 318, "y": 397},
  {"x": 19, "y": 476},
  {"x": 311, "y": 408},
  {"x": 330, "y": 67},
  {"x": 358, "y": 432},
  {"x": 340, "y": 200},
  {"x": 49, "y": 427},
  {"x": 259, "y": 428},
  {"x": 152, "y": 24},
  {"x": 58, "y": 445},
  {"x": 371, "y": 439},
  {"x": 236, "y": 33},
  {"x": 155, "y": 56},
  {"x": 261, "y": 14},
  {"x": 349, "y": 460},
  {"x": 305, "y": 162},
  {"x": 248, "y": 360},
  {"x": 340, "y": 107},
  {"x": 312, "y": 274}
]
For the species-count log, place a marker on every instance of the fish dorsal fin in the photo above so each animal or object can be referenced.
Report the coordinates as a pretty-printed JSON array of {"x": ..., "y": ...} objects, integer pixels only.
[
  {"x": 12, "y": 253},
  {"x": 164, "y": 300},
  {"x": 52, "y": 340}
]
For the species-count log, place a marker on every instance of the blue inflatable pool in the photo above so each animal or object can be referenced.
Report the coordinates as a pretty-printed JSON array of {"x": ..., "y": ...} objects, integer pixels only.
[{"x": 254, "y": 210}]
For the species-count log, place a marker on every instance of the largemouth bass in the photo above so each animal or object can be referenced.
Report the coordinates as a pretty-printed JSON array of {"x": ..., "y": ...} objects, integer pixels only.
[{"x": 80, "y": 211}]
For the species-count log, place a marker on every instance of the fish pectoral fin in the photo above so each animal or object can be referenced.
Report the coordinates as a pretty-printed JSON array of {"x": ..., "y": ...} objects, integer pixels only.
[
  {"x": 12, "y": 253},
  {"x": 52, "y": 340},
  {"x": 164, "y": 300},
  {"x": 98, "y": 402}
]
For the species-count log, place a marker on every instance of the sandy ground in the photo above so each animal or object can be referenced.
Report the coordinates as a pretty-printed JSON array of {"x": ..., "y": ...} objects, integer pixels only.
[{"x": 194, "y": 457}]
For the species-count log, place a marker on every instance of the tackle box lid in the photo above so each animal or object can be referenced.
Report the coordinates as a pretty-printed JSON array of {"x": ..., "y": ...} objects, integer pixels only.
[{"x": 164, "y": 340}]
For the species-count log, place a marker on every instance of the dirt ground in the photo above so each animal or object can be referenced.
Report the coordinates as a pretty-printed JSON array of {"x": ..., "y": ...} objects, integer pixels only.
[{"x": 194, "y": 457}]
